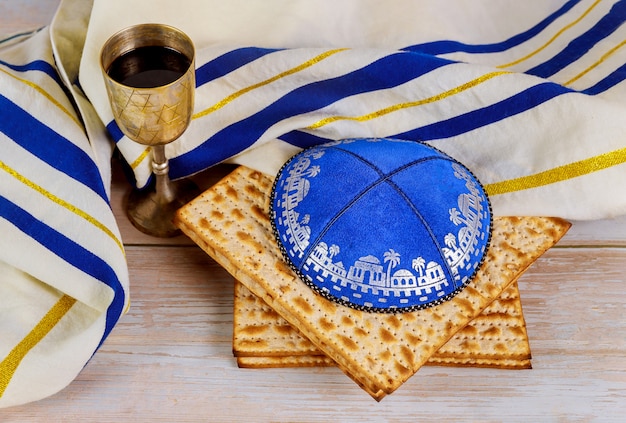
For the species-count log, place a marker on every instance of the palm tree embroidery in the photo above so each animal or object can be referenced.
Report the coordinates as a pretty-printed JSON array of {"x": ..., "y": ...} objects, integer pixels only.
[
  {"x": 450, "y": 241},
  {"x": 316, "y": 154},
  {"x": 394, "y": 259},
  {"x": 455, "y": 216},
  {"x": 419, "y": 264},
  {"x": 313, "y": 171},
  {"x": 333, "y": 250}
]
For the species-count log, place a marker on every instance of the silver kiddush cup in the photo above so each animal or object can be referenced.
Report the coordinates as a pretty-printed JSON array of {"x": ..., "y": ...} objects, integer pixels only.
[{"x": 149, "y": 73}]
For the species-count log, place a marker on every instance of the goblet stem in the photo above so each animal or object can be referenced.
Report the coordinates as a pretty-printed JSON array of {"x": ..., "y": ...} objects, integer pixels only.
[
  {"x": 161, "y": 168},
  {"x": 152, "y": 210}
]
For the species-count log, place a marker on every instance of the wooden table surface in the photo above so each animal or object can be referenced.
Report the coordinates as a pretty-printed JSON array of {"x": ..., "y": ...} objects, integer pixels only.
[{"x": 169, "y": 359}]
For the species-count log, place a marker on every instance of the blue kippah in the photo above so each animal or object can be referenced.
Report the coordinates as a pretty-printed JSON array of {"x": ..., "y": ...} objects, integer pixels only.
[{"x": 381, "y": 225}]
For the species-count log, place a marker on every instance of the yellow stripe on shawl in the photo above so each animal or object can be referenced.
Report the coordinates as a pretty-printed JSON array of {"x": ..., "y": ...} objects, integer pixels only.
[
  {"x": 551, "y": 40},
  {"x": 9, "y": 365},
  {"x": 396, "y": 107},
  {"x": 559, "y": 174},
  {"x": 602, "y": 59},
  {"x": 46, "y": 95},
  {"x": 140, "y": 158},
  {"x": 243, "y": 91},
  {"x": 62, "y": 203}
]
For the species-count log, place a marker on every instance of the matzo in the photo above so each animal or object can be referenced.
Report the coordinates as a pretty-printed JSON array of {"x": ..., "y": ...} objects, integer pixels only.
[
  {"x": 495, "y": 338},
  {"x": 325, "y": 361},
  {"x": 379, "y": 351}
]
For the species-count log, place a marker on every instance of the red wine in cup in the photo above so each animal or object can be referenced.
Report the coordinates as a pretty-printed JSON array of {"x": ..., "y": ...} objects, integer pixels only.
[{"x": 149, "y": 67}]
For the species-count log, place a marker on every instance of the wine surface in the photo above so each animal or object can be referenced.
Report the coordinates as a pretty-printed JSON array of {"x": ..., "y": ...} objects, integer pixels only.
[{"x": 149, "y": 67}]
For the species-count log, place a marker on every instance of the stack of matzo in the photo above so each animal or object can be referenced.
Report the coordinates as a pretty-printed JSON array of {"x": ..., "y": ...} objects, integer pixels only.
[
  {"x": 496, "y": 338},
  {"x": 378, "y": 351}
]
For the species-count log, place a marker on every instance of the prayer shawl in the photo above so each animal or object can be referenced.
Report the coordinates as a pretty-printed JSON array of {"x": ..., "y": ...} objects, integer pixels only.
[
  {"x": 63, "y": 271},
  {"x": 528, "y": 95}
]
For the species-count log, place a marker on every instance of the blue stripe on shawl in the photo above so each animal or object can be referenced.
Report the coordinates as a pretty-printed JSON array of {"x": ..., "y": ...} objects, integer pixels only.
[
  {"x": 36, "y": 65},
  {"x": 448, "y": 46},
  {"x": 616, "y": 77},
  {"x": 457, "y": 125},
  {"x": 518, "y": 103},
  {"x": 581, "y": 45},
  {"x": 228, "y": 62},
  {"x": 303, "y": 139},
  {"x": 387, "y": 72},
  {"x": 70, "y": 252},
  {"x": 20, "y": 34},
  {"x": 115, "y": 131},
  {"x": 43, "y": 142}
]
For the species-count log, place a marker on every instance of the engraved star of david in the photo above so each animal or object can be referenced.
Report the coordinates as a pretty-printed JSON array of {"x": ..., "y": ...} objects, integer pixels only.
[
  {"x": 140, "y": 101},
  {"x": 148, "y": 135},
  {"x": 168, "y": 114}
]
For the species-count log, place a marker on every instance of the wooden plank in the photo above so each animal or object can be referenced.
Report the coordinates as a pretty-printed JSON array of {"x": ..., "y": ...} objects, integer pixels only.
[
  {"x": 23, "y": 15},
  {"x": 170, "y": 359}
]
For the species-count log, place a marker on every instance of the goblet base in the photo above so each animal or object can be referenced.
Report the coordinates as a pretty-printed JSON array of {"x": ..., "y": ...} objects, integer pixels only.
[{"x": 153, "y": 213}]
